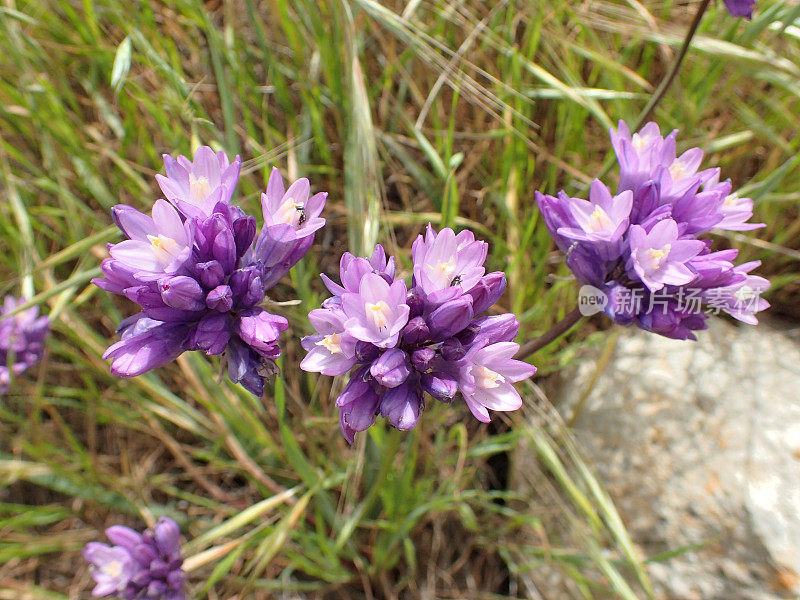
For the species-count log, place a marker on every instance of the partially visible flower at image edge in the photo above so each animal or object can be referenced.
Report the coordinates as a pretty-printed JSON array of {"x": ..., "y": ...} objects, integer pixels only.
[
  {"x": 138, "y": 566},
  {"x": 22, "y": 338},
  {"x": 740, "y": 8},
  {"x": 200, "y": 270}
]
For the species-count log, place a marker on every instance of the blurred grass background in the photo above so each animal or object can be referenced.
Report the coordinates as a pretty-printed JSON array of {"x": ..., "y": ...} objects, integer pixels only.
[{"x": 406, "y": 112}]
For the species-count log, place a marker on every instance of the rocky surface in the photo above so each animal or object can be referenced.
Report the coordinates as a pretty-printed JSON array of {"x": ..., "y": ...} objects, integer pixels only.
[{"x": 699, "y": 444}]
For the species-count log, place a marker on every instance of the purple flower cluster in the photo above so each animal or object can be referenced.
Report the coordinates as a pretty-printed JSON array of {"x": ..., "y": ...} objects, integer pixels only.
[
  {"x": 140, "y": 566},
  {"x": 200, "y": 272},
  {"x": 646, "y": 242},
  {"x": 21, "y": 340},
  {"x": 401, "y": 343}
]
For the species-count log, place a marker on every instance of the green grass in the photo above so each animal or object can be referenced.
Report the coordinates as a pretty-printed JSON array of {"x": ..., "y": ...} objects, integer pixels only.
[{"x": 406, "y": 112}]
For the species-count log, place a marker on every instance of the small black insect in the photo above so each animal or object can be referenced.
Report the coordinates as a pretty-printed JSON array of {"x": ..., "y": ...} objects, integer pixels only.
[
  {"x": 456, "y": 280},
  {"x": 302, "y": 210}
]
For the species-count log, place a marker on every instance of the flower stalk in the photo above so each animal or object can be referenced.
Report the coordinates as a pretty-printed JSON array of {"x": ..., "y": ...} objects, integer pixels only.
[
  {"x": 665, "y": 84},
  {"x": 556, "y": 331}
]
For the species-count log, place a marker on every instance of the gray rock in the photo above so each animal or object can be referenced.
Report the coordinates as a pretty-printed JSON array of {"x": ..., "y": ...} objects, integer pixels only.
[{"x": 698, "y": 443}]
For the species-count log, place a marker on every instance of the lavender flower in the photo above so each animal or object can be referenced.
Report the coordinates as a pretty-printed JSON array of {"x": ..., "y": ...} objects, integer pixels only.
[
  {"x": 400, "y": 345},
  {"x": 740, "y": 8},
  {"x": 195, "y": 187},
  {"x": 645, "y": 248},
  {"x": 157, "y": 245},
  {"x": 659, "y": 257},
  {"x": 487, "y": 373},
  {"x": 294, "y": 207},
  {"x": 377, "y": 312},
  {"x": 333, "y": 351},
  {"x": 200, "y": 278},
  {"x": 21, "y": 340},
  {"x": 446, "y": 264},
  {"x": 140, "y": 566},
  {"x": 603, "y": 220}
]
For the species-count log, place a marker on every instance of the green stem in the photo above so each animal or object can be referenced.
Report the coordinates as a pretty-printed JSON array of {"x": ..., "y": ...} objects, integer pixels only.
[
  {"x": 665, "y": 84},
  {"x": 552, "y": 334}
]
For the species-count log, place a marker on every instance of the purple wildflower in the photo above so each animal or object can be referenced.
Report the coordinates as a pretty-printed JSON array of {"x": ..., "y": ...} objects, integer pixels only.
[
  {"x": 740, "y": 8},
  {"x": 446, "y": 265},
  {"x": 353, "y": 268},
  {"x": 290, "y": 220},
  {"x": 645, "y": 247},
  {"x": 658, "y": 257},
  {"x": 642, "y": 154},
  {"x": 141, "y": 566},
  {"x": 741, "y": 299},
  {"x": 156, "y": 245},
  {"x": 332, "y": 352},
  {"x": 195, "y": 187},
  {"x": 21, "y": 340},
  {"x": 487, "y": 373},
  {"x": 402, "y": 344},
  {"x": 377, "y": 312},
  {"x": 603, "y": 220},
  {"x": 200, "y": 279},
  {"x": 736, "y": 210},
  {"x": 294, "y": 207}
]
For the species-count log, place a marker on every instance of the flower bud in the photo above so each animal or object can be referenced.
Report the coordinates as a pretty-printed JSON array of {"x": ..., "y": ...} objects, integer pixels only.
[
  {"x": 260, "y": 330},
  {"x": 244, "y": 230},
  {"x": 402, "y": 405},
  {"x": 156, "y": 589},
  {"x": 360, "y": 384},
  {"x": 247, "y": 287},
  {"x": 211, "y": 273},
  {"x": 366, "y": 352},
  {"x": 245, "y": 366},
  {"x": 440, "y": 385},
  {"x": 145, "y": 553},
  {"x": 124, "y": 536},
  {"x": 359, "y": 414},
  {"x": 212, "y": 333},
  {"x": 416, "y": 331},
  {"x": 181, "y": 292},
  {"x": 416, "y": 302},
  {"x": 220, "y": 298},
  {"x": 224, "y": 249},
  {"x": 167, "y": 536},
  {"x": 487, "y": 291},
  {"x": 495, "y": 328},
  {"x": 452, "y": 350},
  {"x": 422, "y": 359},
  {"x": 451, "y": 317},
  {"x": 392, "y": 368}
]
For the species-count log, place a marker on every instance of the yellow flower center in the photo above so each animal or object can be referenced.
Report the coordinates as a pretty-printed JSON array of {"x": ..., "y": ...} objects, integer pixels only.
[
  {"x": 332, "y": 343},
  {"x": 164, "y": 249},
  {"x": 658, "y": 256},
  {"x": 378, "y": 313},
  {"x": 199, "y": 187},
  {"x": 599, "y": 221},
  {"x": 744, "y": 294},
  {"x": 677, "y": 169},
  {"x": 289, "y": 212},
  {"x": 443, "y": 272},
  {"x": 113, "y": 569},
  {"x": 486, "y": 378}
]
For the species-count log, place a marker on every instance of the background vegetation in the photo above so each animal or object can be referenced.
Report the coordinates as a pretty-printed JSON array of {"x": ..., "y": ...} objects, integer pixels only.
[{"x": 450, "y": 111}]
